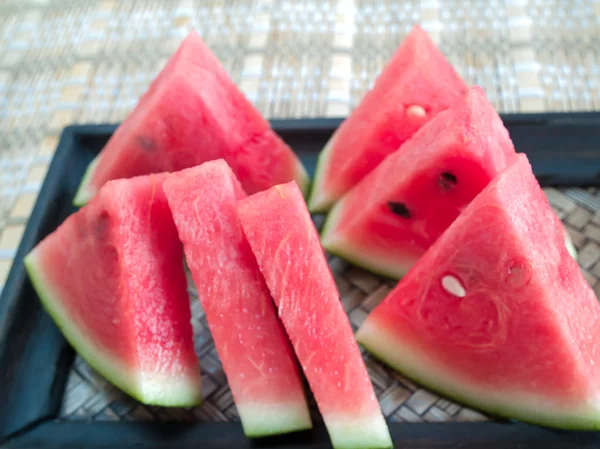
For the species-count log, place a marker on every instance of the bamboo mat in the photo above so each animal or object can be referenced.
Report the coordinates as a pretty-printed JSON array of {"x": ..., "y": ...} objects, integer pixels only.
[{"x": 80, "y": 61}]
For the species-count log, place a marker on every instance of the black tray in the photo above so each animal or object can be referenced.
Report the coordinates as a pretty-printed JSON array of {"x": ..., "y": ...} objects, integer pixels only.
[{"x": 564, "y": 149}]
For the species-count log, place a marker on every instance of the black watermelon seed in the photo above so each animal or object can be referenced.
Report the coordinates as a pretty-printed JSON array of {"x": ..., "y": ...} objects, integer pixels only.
[
  {"x": 447, "y": 180},
  {"x": 146, "y": 143},
  {"x": 399, "y": 209}
]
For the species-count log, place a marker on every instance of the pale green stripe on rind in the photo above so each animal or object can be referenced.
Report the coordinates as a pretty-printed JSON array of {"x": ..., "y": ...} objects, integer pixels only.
[
  {"x": 260, "y": 420},
  {"x": 509, "y": 404},
  {"x": 362, "y": 433},
  {"x": 570, "y": 247},
  {"x": 302, "y": 179},
  {"x": 84, "y": 193},
  {"x": 148, "y": 388},
  {"x": 318, "y": 202}
]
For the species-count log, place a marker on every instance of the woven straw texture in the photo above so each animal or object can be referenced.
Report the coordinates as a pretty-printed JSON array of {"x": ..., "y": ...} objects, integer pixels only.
[{"x": 83, "y": 61}]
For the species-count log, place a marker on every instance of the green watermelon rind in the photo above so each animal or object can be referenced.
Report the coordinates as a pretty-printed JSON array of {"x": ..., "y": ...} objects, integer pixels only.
[
  {"x": 317, "y": 205},
  {"x": 84, "y": 193},
  {"x": 263, "y": 420},
  {"x": 302, "y": 179},
  {"x": 383, "y": 347},
  {"x": 190, "y": 394}
]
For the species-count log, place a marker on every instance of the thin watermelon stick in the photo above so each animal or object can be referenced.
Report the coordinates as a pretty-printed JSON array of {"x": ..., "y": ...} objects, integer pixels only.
[
  {"x": 287, "y": 248},
  {"x": 254, "y": 350}
]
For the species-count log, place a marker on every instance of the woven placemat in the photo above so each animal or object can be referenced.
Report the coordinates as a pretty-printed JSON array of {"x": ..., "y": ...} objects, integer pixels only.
[{"x": 84, "y": 61}]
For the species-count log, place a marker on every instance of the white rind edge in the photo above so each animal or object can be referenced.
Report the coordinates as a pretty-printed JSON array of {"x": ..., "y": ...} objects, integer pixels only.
[
  {"x": 302, "y": 179},
  {"x": 511, "y": 404},
  {"x": 148, "y": 388},
  {"x": 273, "y": 419},
  {"x": 168, "y": 390},
  {"x": 363, "y": 433}
]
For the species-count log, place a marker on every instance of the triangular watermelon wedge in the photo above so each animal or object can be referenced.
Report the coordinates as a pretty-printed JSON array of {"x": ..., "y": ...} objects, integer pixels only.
[
  {"x": 497, "y": 314},
  {"x": 417, "y": 83},
  {"x": 390, "y": 218},
  {"x": 111, "y": 276},
  {"x": 193, "y": 113}
]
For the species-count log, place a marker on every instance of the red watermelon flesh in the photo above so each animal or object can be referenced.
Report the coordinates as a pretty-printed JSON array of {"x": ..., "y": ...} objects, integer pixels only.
[
  {"x": 111, "y": 276},
  {"x": 193, "y": 113},
  {"x": 417, "y": 83},
  {"x": 255, "y": 352},
  {"x": 287, "y": 248},
  {"x": 497, "y": 313},
  {"x": 389, "y": 219}
]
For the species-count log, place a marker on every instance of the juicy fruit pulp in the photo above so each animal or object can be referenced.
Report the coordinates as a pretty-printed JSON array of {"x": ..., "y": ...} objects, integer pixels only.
[
  {"x": 286, "y": 245},
  {"x": 252, "y": 345},
  {"x": 111, "y": 276},
  {"x": 417, "y": 83},
  {"x": 497, "y": 314},
  {"x": 390, "y": 218},
  {"x": 193, "y": 113}
]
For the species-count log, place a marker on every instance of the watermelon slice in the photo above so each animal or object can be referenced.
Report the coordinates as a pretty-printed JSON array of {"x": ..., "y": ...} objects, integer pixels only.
[
  {"x": 286, "y": 245},
  {"x": 417, "y": 83},
  {"x": 111, "y": 276},
  {"x": 388, "y": 220},
  {"x": 497, "y": 314},
  {"x": 193, "y": 113},
  {"x": 252, "y": 345}
]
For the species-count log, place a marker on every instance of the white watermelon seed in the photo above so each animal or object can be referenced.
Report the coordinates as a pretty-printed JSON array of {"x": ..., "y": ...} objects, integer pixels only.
[
  {"x": 416, "y": 111},
  {"x": 453, "y": 286}
]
